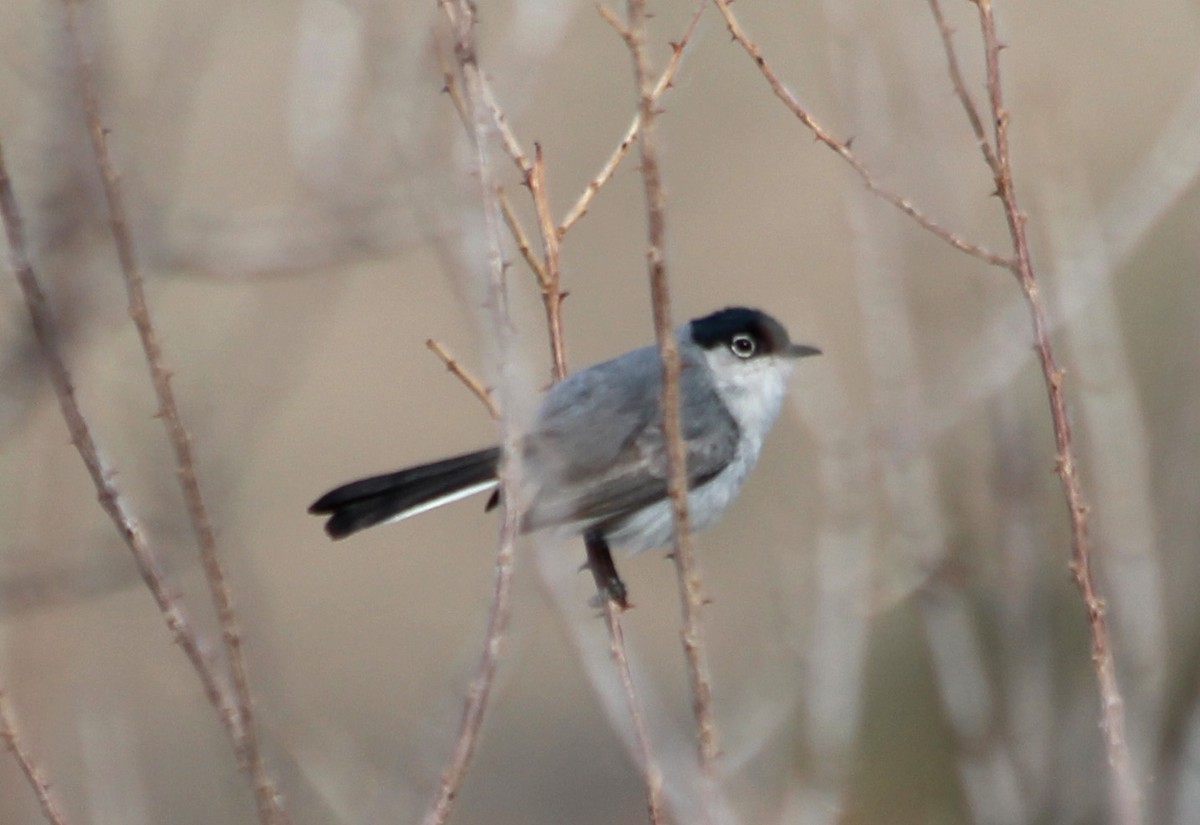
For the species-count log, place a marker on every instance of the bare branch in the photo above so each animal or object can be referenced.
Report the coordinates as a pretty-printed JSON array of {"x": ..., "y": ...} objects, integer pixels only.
[
  {"x": 549, "y": 275},
  {"x": 246, "y": 747},
  {"x": 614, "y": 160},
  {"x": 691, "y": 596},
  {"x": 842, "y": 149},
  {"x": 960, "y": 87},
  {"x": 148, "y": 563},
  {"x": 461, "y": 15},
  {"x": 51, "y": 808},
  {"x": 552, "y": 295},
  {"x": 458, "y": 370},
  {"x": 1124, "y": 792},
  {"x": 522, "y": 240}
]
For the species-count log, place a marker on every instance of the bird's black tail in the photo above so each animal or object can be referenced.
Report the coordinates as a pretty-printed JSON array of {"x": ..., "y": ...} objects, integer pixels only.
[{"x": 394, "y": 496}]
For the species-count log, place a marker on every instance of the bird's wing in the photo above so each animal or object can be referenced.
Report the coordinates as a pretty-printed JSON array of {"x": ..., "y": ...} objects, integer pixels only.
[{"x": 598, "y": 450}]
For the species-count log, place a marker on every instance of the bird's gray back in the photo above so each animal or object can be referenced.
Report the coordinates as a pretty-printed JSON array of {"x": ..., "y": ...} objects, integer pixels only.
[{"x": 597, "y": 448}]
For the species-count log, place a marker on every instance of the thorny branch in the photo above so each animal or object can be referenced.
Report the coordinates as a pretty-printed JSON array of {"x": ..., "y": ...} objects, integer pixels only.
[
  {"x": 51, "y": 808},
  {"x": 842, "y": 149},
  {"x": 548, "y": 272},
  {"x": 1124, "y": 792},
  {"x": 614, "y": 160},
  {"x": 148, "y": 564},
  {"x": 691, "y": 596},
  {"x": 246, "y": 746},
  {"x": 461, "y": 14},
  {"x": 459, "y": 371}
]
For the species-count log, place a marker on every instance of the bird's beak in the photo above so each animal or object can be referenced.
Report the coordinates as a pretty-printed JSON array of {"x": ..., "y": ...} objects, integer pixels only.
[{"x": 801, "y": 350}]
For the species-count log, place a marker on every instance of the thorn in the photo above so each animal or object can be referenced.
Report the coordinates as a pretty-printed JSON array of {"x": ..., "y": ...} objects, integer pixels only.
[
  {"x": 562, "y": 295},
  {"x": 849, "y": 142}
]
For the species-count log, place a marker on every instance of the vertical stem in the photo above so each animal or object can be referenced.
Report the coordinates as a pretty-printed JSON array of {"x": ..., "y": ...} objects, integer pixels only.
[
  {"x": 688, "y": 576},
  {"x": 462, "y": 19},
  {"x": 1125, "y": 795}
]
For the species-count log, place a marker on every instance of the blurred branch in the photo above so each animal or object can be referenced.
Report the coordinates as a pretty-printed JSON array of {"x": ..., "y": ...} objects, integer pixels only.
[
  {"x": 111, "y": 501},
  {"x": 552, "y": 296},
  {"x": 51, "y": 809},
  {"x": 960, "y": 87},
  {"x": 548, "y": 272},
  {"x": 461, "y": 14},
  {"x": 691, "y": 596},
  {"x": 842, "y": 149},
  {"x": 270, "y": 808},
  {"x": 472, "y": 383},
  {"x": 1123, "y": 789}
]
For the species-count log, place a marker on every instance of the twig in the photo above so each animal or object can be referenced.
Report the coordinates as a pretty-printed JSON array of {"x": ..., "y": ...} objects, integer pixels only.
[
  {"x": 51, "y": 809},
  {"x": 691, "y": 597},
  {"x": 548, "y": 272},
  {"x": 519, "y": 236},
  {"x": 246, "y": 746},
  {"x": 960, "y": 87},
  {"x": 665, "y": 81},
  {"x": 552, "y": 296},
  {"x": 551, "y": 274},
  {"x": 652, "y": 774},
  {"x": 462, "y": 20},
  {"x": 472, "y": 383},
  {"x": 1125, "y": 795},
  {"x": 842, "y": 149},
  {"x": 148, "y": 564}
]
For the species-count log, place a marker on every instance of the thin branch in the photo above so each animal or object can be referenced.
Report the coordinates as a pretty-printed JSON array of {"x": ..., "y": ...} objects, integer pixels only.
[
  {"x": 462, "y": 19},
  {"x": 960, "y": 87},
  {"x": 552, "y": 294},
  {"x": 691, "y": 596},
  {"x": 472, "y": 383},
  {"x": 148, "y": 563},
  {"x": 548, "y": 271},
  {"x": 842, "y": 149},
  {"x": 51, "y": 809},
  {"x": 520, "y": 238},
  {"x": 1125, "y": 794},
  {"x": 652, "y": 775},
  {"x": 665, "y": 81},
  {"x": 246, "y": 747}
]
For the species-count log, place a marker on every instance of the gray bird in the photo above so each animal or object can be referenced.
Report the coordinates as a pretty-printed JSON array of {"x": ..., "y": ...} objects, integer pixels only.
[{"x": 595, "y": 459}]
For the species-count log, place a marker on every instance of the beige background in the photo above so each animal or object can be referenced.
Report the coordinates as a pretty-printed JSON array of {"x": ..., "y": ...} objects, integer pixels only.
[{"x": 893, "y": 632}]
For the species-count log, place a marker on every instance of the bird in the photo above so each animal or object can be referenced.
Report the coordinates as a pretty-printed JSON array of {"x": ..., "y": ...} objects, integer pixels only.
[{"x": 594, "y": 462}]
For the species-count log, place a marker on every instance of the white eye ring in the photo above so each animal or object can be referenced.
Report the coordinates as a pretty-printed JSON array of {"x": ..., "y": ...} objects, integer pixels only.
[{"x": 743, "y": 345}]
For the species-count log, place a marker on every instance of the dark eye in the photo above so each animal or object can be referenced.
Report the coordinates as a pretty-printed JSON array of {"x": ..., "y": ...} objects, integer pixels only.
[{"x": 743, "y": 345}]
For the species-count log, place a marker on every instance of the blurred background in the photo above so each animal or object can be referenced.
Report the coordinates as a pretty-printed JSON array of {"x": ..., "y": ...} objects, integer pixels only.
[{"x": 893, "y": 631}]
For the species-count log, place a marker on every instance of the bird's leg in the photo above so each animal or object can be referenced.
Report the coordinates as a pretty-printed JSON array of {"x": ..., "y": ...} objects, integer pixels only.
[{"x": 604, "y": 571}]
